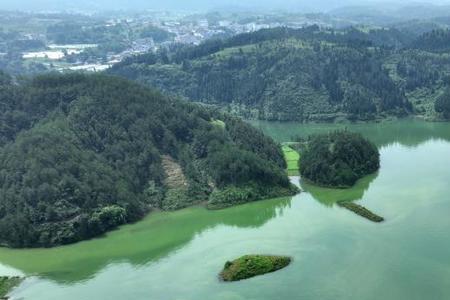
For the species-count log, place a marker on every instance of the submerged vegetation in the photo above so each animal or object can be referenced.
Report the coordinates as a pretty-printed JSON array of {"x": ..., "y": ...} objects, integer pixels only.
[
  {"x": 338, "y": 159},
  {"x": 82, "y": 154},
  {"x": 249, "y": 266},
  {"x": 362, "y": 211},
  {"x": 7, "y": 284}
]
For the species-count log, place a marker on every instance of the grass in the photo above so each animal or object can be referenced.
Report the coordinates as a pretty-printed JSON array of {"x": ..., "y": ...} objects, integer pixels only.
[
  {"x": 7, "y": 284},
  {"x": 292, "y": 158},
  {"x": 267, "y": 46},
  {"x": 249, "y": 266},
  {"x": 218, "y": 123},
  {"x": 361, "y": 211},
  {"x": 227, "y": 52}
]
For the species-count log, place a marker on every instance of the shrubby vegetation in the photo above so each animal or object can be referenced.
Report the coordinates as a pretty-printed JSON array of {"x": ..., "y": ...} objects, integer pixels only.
[
  {"x": 7, "y": 284},
  {"x": 234, "y": 195},
  {"x": 338, "y": 159},
  {"x": 249, "y": 266},
  {"x": 82, "y": 154},
  {"x": 442, "y": 104}
]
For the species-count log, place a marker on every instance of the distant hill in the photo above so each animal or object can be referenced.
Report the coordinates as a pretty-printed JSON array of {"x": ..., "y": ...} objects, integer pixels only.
[
  {"x": 82, "y": 154},
  {"x": 283, "y": 74},
  {"x": 204, "y": 5},
  {"x": 387, "y": 13}
]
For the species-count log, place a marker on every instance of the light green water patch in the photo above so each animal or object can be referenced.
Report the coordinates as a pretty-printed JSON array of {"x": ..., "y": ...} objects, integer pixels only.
[
  {"x": 329, "y": 196},
  {"x": 408, "y": 132},
  {"x": 148, "y": 240}
]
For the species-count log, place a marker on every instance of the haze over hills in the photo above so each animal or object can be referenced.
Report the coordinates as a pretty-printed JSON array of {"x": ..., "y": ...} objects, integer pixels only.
[
  {"x": 386, "y": 14},
  {"x": 303, "y": 5}
]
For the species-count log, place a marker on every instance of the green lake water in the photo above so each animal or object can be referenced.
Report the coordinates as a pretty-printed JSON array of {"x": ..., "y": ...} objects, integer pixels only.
[{"x": 337, "y": 254}]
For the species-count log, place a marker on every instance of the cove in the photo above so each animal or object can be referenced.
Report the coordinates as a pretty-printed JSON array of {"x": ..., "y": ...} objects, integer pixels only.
[{"x": 336, "y": 253}]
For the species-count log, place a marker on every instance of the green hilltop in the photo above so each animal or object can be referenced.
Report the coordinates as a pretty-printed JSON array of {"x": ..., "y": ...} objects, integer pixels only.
[
  {"x": 308, "y": 74},
  {"x": 82, "y": 154}
]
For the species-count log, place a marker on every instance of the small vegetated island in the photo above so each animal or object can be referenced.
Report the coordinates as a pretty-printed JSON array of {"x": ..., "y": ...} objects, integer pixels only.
[
  {"x": 361, "y": 211},
  {"x": 249, "y": 266},
  {"x": 338, "y": 159},
  {"x": 83, "y": 154}
]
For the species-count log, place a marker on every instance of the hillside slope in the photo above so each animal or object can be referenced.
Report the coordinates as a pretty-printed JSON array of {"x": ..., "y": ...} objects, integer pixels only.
[
  {"x": 281, "y": 74},
  {"x": 82, "y": 154}
]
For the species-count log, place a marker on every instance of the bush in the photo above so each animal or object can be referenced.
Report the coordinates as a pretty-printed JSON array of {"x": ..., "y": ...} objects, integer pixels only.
[
  {"x": 234, "y": 195},
  {"x": 253, "y": 265}
]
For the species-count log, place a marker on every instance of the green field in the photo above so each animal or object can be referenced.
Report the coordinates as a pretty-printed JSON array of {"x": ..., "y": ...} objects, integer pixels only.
[{"x": 292, "y": 157}]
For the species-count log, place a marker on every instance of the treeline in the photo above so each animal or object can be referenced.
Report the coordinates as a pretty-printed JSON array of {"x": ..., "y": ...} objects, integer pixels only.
[
  {"x": 80, "y": 155},
  {"x": 353, "y": 37},
  {"x": 436, "y": 40}
]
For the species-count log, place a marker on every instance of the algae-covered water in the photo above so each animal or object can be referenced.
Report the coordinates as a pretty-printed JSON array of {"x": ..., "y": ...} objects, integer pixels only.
[{"x": 337, "y": 254}]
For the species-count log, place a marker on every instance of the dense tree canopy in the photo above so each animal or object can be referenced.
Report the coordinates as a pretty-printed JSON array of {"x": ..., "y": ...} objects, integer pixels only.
[
  {"x": 306, "y": 74},
  {"x": 338, "y": 159},
  {"x": 82, "y": 154},
  {"x": 443, "y": 104},
  {"x": 280, "y": 74},
  {"x": 436, "y": 40}
]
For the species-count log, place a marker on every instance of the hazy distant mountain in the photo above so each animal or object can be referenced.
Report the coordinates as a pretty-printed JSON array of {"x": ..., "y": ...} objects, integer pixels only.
[
  {"x": 392, "y": 12},
  {"x": 306, "y": 5}
]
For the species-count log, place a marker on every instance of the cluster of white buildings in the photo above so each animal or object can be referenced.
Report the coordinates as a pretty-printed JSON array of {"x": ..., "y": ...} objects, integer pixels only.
[{"x": 184, "y": 30}]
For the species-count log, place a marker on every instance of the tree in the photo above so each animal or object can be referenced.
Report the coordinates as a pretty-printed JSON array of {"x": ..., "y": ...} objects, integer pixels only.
[{"x": 442, "y": 104}]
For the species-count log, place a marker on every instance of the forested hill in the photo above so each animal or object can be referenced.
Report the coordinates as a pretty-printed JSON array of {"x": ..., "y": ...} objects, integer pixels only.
[
  {"x": 82, "y": 154},
  {"x": 283, "y": 74}
]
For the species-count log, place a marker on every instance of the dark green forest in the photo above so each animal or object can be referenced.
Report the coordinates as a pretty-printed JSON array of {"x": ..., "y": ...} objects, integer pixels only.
[
  {"x": 442, "y": 104},
  {"x": 82, "y": 154},
  {"x": 309, "y": 74},
  {"x": 437, "y": 40},
  {"x": 338, "y": 159}
]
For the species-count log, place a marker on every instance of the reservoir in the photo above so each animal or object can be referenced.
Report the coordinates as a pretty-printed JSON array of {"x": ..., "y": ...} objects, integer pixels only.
[{"x": 336, "y": 253}]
